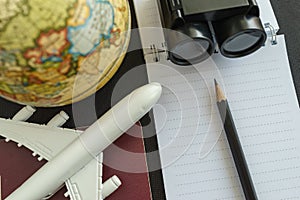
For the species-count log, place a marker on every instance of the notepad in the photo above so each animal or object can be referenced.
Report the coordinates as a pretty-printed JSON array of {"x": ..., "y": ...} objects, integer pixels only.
[{"x": 195, "y": 156}]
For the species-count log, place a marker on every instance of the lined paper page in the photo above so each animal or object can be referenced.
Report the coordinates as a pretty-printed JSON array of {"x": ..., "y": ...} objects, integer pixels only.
[{"x": 196, "y": 160}]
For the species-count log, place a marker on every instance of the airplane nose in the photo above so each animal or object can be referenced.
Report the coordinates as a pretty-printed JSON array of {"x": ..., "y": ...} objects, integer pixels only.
[
  {"x": 134, "y": 106},
  {"x": 153, "y": 91},
  {"x": 155, "y": 84},
  {"x": 145, "y": 97}
]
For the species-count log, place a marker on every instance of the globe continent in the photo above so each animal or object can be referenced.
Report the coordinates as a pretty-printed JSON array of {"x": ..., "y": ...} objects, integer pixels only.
[{"x": 56, "y": 52}]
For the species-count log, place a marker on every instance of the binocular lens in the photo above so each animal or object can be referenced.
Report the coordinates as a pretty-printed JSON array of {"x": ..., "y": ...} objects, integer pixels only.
[
  {"x": 244, "y": 36},
  {"x": 191, "y": 51},
  {"x": 189, "y": 44},
  {"x": 243, "y": 43}
]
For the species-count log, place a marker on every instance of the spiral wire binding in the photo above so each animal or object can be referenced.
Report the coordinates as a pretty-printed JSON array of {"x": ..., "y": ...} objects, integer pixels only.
[
  {"x": 158, "y": 53},
  {"x": 273, "y": 33}
]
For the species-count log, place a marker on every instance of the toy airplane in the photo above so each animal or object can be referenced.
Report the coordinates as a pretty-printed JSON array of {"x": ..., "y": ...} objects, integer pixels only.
[{"x": 75, "y": 157}]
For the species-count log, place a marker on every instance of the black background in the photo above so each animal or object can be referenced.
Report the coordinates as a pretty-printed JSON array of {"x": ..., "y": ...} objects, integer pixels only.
[{"x": 288, "y": 17}]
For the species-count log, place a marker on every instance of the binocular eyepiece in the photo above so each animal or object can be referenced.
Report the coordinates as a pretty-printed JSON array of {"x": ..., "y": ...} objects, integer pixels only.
[{"x": 199, "y": 25}]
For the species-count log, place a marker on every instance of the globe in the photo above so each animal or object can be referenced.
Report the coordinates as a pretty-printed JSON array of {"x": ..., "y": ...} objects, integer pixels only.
[{"x": 56, "y": 52}]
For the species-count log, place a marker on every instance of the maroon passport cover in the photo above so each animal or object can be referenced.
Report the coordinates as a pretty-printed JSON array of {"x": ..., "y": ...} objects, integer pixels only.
[{"x": 125, "y": 158}]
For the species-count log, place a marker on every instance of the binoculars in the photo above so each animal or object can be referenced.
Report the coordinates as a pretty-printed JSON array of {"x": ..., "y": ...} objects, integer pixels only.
[{"x": 198, "y": 25}]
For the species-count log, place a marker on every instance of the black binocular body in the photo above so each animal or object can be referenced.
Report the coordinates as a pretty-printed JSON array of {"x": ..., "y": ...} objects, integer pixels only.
[{"x": 194, "y": 27}]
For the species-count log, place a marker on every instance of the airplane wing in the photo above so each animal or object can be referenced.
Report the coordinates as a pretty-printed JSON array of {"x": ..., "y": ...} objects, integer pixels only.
[
  {"x": 43, "y": 140},
  {"x": 87, "y": 183}
]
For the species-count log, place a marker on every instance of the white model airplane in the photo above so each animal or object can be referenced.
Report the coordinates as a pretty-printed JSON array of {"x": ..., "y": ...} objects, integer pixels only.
[{"x": 75, "y": 157}]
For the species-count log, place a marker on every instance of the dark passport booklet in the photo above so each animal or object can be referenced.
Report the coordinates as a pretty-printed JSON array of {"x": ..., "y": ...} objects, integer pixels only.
[{"x": 125, "y": 158}]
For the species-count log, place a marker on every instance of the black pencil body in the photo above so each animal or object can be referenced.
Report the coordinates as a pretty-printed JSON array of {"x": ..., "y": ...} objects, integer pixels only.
[{"x": 237, "y": 151}]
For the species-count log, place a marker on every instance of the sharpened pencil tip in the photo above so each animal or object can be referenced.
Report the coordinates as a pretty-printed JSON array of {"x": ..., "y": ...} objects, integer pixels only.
[
  {"x": 219, "y": 92},
  {"x": 216, "y": 83}
]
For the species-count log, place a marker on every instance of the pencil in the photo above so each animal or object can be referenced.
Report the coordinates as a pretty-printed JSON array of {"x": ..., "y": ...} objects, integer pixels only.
[{"x": 235, "y": 145}]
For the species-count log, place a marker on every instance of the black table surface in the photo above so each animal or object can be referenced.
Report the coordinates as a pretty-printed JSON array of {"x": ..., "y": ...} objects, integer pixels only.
[{"x": 288, "y": 16}]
